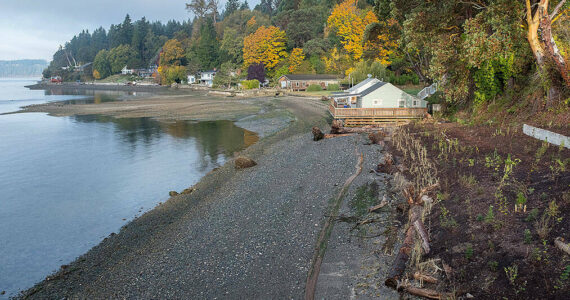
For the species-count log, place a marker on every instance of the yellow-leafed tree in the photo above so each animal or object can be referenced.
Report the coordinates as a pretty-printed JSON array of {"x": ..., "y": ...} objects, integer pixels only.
[
  {"x": 96, "y": 74},
  {"x": 350, "y": 24},
  {"x": 296, "y": 59},
  {"x": 171, "y": 57},
  {"x": 266, "y": 46},
  {"x": 172, "y": 53}
]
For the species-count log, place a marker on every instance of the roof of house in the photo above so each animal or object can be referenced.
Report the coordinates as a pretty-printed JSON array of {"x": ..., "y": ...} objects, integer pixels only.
[
  {"x": 364, "y": 82},
  {"x": 372, "y": 88},
  {"x": 312, "y": 76},
  {"x": 358, "y": 90}
]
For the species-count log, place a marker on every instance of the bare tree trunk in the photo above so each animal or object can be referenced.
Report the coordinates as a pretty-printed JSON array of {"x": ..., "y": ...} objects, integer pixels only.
[
  {"x": 551, "y": 48},
  {"x": 532, "y": 35},
  {"x": 543, "y": 45}
]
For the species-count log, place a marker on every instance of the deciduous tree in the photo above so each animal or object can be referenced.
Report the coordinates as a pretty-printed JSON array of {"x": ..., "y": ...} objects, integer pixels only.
[
  {"x": 266, "y": 46},
  {"x": 349, "y": 23},
  {"x": 296, "y": 59}
]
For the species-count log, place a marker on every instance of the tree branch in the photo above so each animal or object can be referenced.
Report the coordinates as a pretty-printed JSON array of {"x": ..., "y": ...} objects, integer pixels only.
[
  {"x": 556, "y": 9},
  {"x": 528, "y": 13}
]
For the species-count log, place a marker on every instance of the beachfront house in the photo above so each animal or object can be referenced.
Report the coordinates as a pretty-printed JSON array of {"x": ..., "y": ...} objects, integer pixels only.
[
  {"x": 373, "y": 93},
  {"x": 144, "y": 73},
  {"x": 126, "y": 71},
  {"x": 191, "y": 79},
  {"x": 300, "y": 82},
  {"x": 207, "y": 78},
  {"x": 373, "y": 101}
]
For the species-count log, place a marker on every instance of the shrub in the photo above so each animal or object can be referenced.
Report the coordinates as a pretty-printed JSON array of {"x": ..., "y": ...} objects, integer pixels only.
[
  {"x": 314, "y": 88},
  {"x": 250, "y": 84},
  {"x": 333, "y": 87}
]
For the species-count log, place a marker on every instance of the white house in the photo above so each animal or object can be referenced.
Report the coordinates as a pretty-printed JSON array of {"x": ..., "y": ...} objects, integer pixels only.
[
  {"x": 191, "y": 79},
  {"x": 373, "y": 93},
  {"x": 207, "y": 78},
  {"x": 126, "y": 71}
]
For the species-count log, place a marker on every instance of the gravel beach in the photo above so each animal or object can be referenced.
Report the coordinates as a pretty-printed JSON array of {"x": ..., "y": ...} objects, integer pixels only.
[{"x": 242, "y": 234}]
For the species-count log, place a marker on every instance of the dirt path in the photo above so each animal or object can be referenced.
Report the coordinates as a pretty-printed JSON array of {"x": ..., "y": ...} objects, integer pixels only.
[{"x": 323, "y": 238}]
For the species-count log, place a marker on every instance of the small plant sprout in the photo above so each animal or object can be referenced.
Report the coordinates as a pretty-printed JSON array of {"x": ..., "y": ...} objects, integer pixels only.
[
  {"x": 532, "y": 215},
  {"x": 565, "y": 274},
  {"x": 527, "y": 236},
  {"x": 490, "y": 216},
  {"x": 512, "y": 273},
  {"x": 520, "y": 202},
  {"x": 469, "y": 252},
  {"x": 445, "y": 219},
  {"x": 493, "y": 265}
]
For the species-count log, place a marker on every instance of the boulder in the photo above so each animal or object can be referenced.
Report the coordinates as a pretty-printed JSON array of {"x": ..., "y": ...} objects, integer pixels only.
[
  {"x": 244, "y": 162},
  {"x": 188, "y": 191},
  {"x": 172, "y": 193}
]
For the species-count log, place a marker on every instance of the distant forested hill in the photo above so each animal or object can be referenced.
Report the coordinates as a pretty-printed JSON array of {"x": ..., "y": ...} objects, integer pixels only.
[{"x": 22, "y": 68}]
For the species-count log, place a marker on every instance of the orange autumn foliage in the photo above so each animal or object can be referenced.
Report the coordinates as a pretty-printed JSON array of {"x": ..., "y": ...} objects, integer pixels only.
[
  {"x": 266, "y": 46},
  {"x": 296, "y": 59}
]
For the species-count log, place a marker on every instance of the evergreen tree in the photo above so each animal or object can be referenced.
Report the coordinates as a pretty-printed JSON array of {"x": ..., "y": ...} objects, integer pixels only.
[
  {"x": 231, "y": 7},
  {"x": 208, "y": 46}
]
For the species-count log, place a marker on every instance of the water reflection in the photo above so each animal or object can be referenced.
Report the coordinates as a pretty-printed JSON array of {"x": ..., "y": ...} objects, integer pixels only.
[
  {"x": 70, "y": 181},
  {"x": 94, "y": 96},
  {"x": 214, "y": 138}
]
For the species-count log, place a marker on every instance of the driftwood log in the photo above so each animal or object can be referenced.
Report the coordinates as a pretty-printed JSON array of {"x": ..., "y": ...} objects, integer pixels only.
[
  {"x": 424, "y": 278},
  {"x": 420, "y": 229},
  {"x": 319, "y": 135},
  {"x": 426, "y": 293},
  {"x": 416, "y": 225},
  {"x": 559, "y": 242},
  {"x": 337, "y": 127},
  {"x": 399, "y": 266}
]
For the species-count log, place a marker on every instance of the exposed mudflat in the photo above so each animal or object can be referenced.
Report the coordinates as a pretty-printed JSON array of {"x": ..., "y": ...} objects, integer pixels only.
[{"x": 165, "y": 107}]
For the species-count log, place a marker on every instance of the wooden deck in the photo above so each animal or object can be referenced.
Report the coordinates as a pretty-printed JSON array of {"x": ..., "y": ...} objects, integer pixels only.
[{"x": 368, "y": 116}]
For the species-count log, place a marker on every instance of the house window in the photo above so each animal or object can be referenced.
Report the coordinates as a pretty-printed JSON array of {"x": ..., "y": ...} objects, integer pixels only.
[
  {"x": 401, "y": 103},
  {"x": 297, "y": 83},
  {"x": 375, "y": 102},
  {"x": 415, "y": 103}
]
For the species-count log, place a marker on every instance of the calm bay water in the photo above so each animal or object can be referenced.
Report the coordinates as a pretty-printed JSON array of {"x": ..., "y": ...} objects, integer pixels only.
[{"x": 68, "y": 182}]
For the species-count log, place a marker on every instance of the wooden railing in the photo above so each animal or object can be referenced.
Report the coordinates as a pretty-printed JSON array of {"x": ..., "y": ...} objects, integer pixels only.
[{"x": 404, "y": 113}]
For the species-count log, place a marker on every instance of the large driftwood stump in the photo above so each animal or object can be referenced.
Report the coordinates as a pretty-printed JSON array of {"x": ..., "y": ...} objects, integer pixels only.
[
  {"x": 376, "y": 137},
  {"x": 317, "y": 134},
  {"x": 387, "y": 166},
  {"x": 336, "y": 126}
]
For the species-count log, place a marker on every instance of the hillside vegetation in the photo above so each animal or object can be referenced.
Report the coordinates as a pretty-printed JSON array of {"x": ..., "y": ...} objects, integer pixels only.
[{"x": 501, "y": 55}]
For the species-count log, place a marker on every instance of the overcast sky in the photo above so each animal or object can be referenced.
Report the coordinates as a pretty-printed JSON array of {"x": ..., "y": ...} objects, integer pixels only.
[{"x": 35, "y": 28}]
